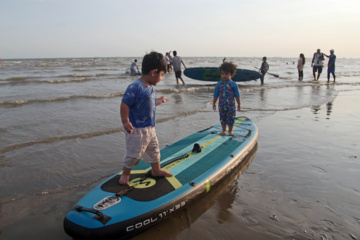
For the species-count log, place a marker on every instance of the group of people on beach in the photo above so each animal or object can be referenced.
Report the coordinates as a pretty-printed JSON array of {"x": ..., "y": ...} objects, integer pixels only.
[
  {"x": 317, "y": 64},
  {"x": 171, "y": 63},
  {"x": 138, "y": 105}
]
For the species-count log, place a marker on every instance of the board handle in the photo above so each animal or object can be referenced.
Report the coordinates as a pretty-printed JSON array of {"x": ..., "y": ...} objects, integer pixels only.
[{"x": 98, "y": 215}]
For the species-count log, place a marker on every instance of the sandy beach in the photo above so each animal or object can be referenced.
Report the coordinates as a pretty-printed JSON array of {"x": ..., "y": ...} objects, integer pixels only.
[{"x": 302, "y": 183}]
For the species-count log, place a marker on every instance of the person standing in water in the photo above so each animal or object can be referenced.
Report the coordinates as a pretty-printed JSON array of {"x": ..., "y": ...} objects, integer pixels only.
[
  {"x": 317, "y": 64},
  {"x": 263, "y": 70},
  {"x": 133, "y": 66},
  {"x": 300, "y": 66},
  {"x": 331, "y": 64},
  {"x": 177, "y": 61}
]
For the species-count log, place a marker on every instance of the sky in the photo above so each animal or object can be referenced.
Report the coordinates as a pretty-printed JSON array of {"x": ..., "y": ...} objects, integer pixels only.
[{"x": 201, "y": 28}]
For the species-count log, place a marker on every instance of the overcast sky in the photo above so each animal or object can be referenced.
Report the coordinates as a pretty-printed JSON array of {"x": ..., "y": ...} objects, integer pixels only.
[{"x": 224, "y": 28}]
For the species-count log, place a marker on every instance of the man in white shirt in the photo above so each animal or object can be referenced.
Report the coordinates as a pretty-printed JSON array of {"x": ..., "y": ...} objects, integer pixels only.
[{"x": 317, "y": 64}]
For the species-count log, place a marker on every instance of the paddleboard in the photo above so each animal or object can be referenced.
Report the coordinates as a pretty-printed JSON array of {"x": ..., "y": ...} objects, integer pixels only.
[
  {"x": 213, "y": 74},
  {"x": 198, "y": 162},
  {"x": 128, "y": 71}
]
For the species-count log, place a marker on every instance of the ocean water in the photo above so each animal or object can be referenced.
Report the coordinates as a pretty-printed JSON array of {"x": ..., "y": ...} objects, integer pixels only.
[{"x": 60, "y": 135}]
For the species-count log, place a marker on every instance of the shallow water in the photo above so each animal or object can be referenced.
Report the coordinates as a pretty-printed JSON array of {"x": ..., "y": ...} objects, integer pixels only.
[{"x": 60, "y": 135}]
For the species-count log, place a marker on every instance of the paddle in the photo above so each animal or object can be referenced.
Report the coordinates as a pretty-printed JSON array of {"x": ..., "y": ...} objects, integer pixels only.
[{"x": 272, "y": 74}]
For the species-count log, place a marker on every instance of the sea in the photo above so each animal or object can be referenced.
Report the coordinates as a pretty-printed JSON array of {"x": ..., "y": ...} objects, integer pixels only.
[{"x": 61, "y": 135}]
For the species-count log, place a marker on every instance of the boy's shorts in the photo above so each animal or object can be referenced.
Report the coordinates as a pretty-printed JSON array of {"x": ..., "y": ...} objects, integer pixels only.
[{"x": 141, "y": 143}]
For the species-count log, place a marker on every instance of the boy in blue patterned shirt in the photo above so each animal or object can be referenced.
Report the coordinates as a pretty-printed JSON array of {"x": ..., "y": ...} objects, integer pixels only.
[
  {"x": 227, "y": 91},
  {"x": 137, "y": 111}
]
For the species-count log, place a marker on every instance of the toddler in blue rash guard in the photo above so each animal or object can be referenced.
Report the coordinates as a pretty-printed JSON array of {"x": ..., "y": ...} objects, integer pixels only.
[
  {"x": 137, "y": 111},
  {"x": 227, "y": 91}
]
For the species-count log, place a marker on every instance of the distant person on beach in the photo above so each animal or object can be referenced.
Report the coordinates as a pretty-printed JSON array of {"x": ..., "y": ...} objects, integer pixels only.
[
  {"x": 167, "y": 61},
  {"x": 300, "y": 66},
  {"x": 133, "y": 66},
  {"x": 170, "y": 58},
  {"x": 94, "y": 62},
  {"x": 331, "y": 64},
  {"x": 137, "y": 111},
  {"x": 263, "y": 69},
  {"x": 317, "y": 64},
  {"x": 177, "y": 61},
  {"x": 227, "y": 91}
]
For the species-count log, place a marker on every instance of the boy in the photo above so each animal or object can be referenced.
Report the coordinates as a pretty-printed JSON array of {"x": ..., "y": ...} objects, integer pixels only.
[
  {"x": 227, "y": 91},
  {"x": 263, "y": 70},
  {"x": 137, "y": 111},
  {"x": 176, "y": 61}
]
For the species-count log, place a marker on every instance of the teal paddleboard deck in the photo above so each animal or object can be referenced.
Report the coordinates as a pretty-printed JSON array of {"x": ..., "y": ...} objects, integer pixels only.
[
  {"x": 197, "y": 163},
  {"x": 213, "y": 74}
]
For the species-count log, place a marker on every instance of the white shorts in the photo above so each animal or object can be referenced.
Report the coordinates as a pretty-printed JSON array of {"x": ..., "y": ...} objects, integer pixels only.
[{"x": 142, "y": 142}]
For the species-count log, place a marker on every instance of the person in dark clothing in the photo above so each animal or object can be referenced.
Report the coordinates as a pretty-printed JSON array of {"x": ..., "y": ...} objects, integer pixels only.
[{"x": 331, "y": 64}]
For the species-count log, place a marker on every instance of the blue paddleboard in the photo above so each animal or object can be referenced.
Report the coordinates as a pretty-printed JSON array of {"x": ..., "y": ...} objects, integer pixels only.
[
  {"x": 213, "y": 74},
  {"x": 198, "y": 162},
  {"x": 128, "y": 71}
]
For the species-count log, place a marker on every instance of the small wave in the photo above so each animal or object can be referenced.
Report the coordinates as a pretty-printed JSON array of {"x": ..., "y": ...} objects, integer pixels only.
[
  {"x": 85, "y": 75},
  {"x": 80, "y": 70},
  {"x": 14, "y": 79},
  {"x": 16, "y": 103},
  {"x": 55, "y": 81},
  {"x": 110, "y": 69},
  {"x": 188, "y": 89}
]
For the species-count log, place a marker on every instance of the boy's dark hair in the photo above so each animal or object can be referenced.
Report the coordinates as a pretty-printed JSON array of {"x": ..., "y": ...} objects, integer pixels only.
[
  {"x": 228, "y": 67},
  {"x": 153, "y": 60},
  {"x": 174, "y": 53},
  {"x": 264, "y": 58}
]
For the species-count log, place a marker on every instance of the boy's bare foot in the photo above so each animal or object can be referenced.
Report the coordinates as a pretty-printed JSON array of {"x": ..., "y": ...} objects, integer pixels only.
[
  {"x": 124, "y": 179},
  {"x": 231, "y": 134},
  {"x": 222, "y": 133},
  {"x": 161, "y": 173}
]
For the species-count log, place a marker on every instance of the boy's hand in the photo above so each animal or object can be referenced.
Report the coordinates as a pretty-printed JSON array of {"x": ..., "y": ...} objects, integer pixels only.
[
  {"x": 161, "y": 100},
  {"x": 128, "y": 127},
  {"x": 214, "y": 107},
  {"x": 239, "y": 107},
  {"x": 164, "y": 99}
]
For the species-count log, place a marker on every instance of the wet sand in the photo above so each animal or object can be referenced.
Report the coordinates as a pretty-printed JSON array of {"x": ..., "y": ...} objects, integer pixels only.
[{"x": 303, "y": 183}]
